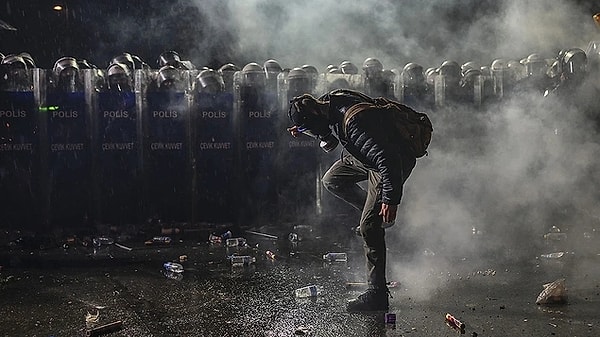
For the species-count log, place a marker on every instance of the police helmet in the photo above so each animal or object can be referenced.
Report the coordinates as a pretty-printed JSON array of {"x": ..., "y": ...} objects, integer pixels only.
[
  {"x": 14, "y": 62},
  {"x": 63, "y": 64},
  {"x": 167, "y": 77},
  {"x": 28, "y": 60},
  {"x": 468, "y": 65},
  {"x": 372, "y": 65},
  {"x": 575, "y": 61},
  {"x": 169, "y": 58},
  {"x": 534, "y": 65},
  {"x": 272, "y": 68},
  {"x": 412, "y": 74},
  {"x": 348, "y": 67},
  {"x": 253, "y": 74},
  {"x": 126, "y": 59},
  {"x": 209, "y": 81}
]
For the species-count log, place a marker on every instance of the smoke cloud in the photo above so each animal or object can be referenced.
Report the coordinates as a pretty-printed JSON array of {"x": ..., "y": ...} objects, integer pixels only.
[{"x": 496, "y": 179}]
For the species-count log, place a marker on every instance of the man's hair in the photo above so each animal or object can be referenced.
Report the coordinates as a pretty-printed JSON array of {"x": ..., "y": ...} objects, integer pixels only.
[{"x": 300, "y": 108}]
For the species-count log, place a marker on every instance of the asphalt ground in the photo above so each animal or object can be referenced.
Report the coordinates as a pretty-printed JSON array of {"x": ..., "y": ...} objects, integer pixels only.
[{"x": 53, "y": 289}]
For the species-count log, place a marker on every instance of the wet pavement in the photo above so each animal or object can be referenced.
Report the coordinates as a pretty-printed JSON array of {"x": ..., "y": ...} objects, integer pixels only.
[{"x": 54, "y": 289}]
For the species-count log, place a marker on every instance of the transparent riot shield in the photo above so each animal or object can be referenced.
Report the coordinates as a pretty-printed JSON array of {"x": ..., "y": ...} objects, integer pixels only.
[
  {"x": 299, "y": 183},
  {"x": 256, "y": 119},
  {"x": 214, "y": 168},
  {"x": 166, "y": 146},
  {"x": 20, "y": 200},
  {"x": 67, "y": 157},
  {"x": 115, "y": 144}
]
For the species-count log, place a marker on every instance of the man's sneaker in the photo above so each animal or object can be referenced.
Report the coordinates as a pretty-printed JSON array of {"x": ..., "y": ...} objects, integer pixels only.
[{"x": 371, "y": 300}]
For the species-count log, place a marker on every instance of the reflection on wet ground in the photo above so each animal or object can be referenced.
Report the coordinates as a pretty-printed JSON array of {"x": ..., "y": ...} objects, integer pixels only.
[{"x": 73, "y": 289}]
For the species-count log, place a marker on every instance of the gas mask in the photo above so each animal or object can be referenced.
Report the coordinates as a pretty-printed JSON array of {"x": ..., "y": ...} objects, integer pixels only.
[
  {"x": 327, "y": 142},
  {"x": 312, "y": 124}
]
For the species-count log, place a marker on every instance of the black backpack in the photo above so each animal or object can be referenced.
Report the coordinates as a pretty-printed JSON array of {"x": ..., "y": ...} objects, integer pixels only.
[{"x": 414, "y": 127}]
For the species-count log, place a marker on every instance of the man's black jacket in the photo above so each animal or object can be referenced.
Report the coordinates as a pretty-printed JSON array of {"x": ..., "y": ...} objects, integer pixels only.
[{"x": 373, "y": 140}]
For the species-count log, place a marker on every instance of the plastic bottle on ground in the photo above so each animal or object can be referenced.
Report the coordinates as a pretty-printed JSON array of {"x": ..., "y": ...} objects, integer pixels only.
[
  {"x": 236, "y": 242},
  {"x": 173, "y": 267},
  {"x": 242, "y": 260},
  {"x": 309, "y": 291},
  {"x": 335, "y": 257}
]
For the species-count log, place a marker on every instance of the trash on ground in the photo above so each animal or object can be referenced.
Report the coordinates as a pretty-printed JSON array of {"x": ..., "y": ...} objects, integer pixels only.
[
  {"x": 335, "y": 257},
  {"x": 105, "y": 329},
  {"x": 553, "y": 293},
  {"x": 173, "y": 267},
  {"x": 91, "y": 318},
  {"x": 214, "y": 238},
  {"x": 160, "y": 240},
  {"x": 556, "y": 255},
  {"x": 309, "y": 291},
  {"x": 183, "y": 258},
  {"x": 454, "y": 323},
  {"x": 241, "y": 260},
  {"x": 390, "y": 318},
  {"x": 270, "y": 254},
  {"x": 263, "y": 234},
  {"x": 236, "y": 242},
  {"x": 123, "y": 246},
  {"x": 102, "y": 241}
]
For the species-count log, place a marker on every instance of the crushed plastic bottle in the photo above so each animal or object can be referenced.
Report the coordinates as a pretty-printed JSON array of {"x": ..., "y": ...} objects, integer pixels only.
[
  {"x": 102, "y": 241},
  {"x": 173, "y": 267},
  {"x": 309, "y": 291},
  {"x": 556, "y": 255},
  {"x": 236, "y": 242},
  {"x": 241, "y": 260},
  {"x": 335, "y": 257},
  {"x": 164, "y": 240}
]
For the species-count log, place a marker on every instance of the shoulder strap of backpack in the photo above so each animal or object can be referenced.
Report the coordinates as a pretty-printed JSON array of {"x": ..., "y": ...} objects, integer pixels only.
[{"x": 355, "y": 110}]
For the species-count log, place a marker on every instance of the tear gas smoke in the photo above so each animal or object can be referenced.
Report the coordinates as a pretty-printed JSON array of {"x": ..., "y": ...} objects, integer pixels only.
[{"x": 510, "y": 171}]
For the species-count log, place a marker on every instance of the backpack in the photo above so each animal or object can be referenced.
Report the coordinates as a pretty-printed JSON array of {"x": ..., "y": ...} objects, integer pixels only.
[{"x": 414, "y": 127}]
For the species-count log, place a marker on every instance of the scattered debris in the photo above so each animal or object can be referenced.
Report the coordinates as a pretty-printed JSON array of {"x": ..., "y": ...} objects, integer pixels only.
[
  {"x": 164, "y": 240},
  {"x": 241, "y": 260},
  {"x": 105, "y": 329},
  {"x": 335, "y": 257},
  {"x": 123, "y": 247},
  {"x": 454, "y": 323},
  {"x": 263, "y": 234},
  {"x": 90, "y": 318},
  {"x": 553, "y": 293},
  {"x": 270, "y": 254}
]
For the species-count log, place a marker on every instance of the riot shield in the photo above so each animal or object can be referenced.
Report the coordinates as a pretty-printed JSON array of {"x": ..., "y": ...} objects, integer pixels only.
[
  {"x": 67, "y": 155},
  {"x": 213, "y": 162},
  {"x": 20, "y": 202},
  {"x": 299, "y": 184},
  {"x": 115, "y": 150},
  {"x": 166, "y": 147},
  {"x": 257, "y": 132}
]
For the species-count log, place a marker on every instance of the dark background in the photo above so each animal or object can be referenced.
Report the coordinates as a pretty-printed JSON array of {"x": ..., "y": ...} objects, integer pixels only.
[{"x": 99, "y": 30}]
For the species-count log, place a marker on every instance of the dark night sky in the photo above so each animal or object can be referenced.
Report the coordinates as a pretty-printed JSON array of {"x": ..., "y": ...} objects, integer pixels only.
[
  {"x": 99, "y": 30},
  {"x": 209, "y": 34}
]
